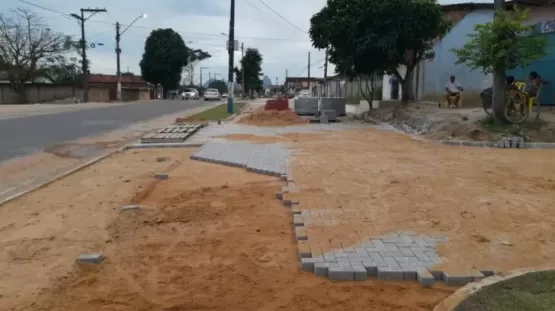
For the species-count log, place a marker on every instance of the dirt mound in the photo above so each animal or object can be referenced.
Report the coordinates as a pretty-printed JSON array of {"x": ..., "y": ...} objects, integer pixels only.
[{"x": 272, "y": 118}]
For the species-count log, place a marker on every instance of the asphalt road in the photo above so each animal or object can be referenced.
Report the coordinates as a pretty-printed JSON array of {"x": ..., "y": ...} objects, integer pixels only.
[{"x": 25, "y": 135}]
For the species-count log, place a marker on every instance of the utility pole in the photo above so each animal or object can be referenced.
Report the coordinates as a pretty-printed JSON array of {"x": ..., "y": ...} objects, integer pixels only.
[
  {"x": 326, "y": 75},
  {"x": 118, "y": 69},
  {"x": 242, "y": 70},
  {"x": 202, "y": 68},
  {"x": 309, "y": 70},
  {"x": 85, "y": 65},
  {"x": 231, "y": 50}
]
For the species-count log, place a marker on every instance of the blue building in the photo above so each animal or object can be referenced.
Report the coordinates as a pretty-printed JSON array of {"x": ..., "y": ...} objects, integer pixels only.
[{"x": 431, "y": 75}]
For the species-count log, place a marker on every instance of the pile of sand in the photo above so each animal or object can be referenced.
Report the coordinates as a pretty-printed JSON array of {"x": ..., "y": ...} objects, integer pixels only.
[{"x": 272, "y": 118}]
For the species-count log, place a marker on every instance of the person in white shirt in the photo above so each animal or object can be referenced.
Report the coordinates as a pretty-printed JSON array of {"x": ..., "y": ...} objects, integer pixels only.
[{"x": 453, "y": 89}]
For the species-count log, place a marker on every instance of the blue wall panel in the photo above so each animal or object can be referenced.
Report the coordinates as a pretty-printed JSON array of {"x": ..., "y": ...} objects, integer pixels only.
[{"x": 545, "y": 67}]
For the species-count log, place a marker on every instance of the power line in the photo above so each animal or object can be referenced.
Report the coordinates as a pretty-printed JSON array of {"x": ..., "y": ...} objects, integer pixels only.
[
  {"x": 311, "y": 65},
  {"x": 254, "y": 6},
  {"x": 281, "y": 16},
  {"x": 150, "y": 28}
]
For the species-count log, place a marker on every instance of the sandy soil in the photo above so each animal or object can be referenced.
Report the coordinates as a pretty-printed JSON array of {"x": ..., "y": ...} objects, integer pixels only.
[
  {"x": 494, "y": 205},
  {"x": 464, "y": 124},
  {"x": 261, "y": 117},
  {"x": 214, "y": 241}
]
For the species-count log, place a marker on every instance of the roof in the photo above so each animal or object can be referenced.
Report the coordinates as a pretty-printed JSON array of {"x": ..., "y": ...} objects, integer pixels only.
[
  {"x": 470, "y": 6},
  {"x": 302, "y": 79},
  {"x": 100, "y": 78}
]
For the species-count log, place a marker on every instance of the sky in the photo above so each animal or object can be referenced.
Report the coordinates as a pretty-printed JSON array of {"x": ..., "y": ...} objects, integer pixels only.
[{"x": 283, "y": 42}]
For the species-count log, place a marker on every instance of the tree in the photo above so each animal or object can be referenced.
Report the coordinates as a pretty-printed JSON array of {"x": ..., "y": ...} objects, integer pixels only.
[
  {"x": 238, "y": 75},
  {"x": 28, "y": 47},
  {"x": 67, "y": 69},
  {"x": 251, "y": 63},
  {"x": 365, "y": 37},
  {"x": 164, "y": 57},
  {"x": 218, "y": 84},
  {"x": 195, "y": 57},
  {"x": 504, "y": 43}
]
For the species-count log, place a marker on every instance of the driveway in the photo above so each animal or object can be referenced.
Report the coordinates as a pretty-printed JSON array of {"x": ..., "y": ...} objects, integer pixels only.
[{"x": 28, "y": 134}]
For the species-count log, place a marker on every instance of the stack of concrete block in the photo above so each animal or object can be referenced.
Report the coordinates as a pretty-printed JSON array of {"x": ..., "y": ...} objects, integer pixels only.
[
  {"x": 330, "y": 115},
  {"x": 339, "y": 104},
  {"x": 306, "y": 106}
]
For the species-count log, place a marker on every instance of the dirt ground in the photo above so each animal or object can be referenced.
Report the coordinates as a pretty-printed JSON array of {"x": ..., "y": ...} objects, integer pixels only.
[
  {"x": 214, "y": 241},
  {"x": 261, "y": 117},
  {"x": 494, "y": 205},
  {"x": 462, "y": 124}
]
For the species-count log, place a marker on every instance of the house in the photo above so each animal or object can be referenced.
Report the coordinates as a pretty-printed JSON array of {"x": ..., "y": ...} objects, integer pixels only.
[
  {"x": 103, "y": 88},
  {"x": 299, "y": 83},
  {"x": 431, "y": 75}
]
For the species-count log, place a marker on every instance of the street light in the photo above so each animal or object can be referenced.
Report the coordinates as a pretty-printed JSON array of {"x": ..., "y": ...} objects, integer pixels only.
[{"x": 118, "y": 51}]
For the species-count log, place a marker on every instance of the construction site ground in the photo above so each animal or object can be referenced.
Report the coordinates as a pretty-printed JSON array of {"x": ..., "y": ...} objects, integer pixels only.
[
  {"x": 213, "y": 237},
  {"x": 467, "y": 123}
]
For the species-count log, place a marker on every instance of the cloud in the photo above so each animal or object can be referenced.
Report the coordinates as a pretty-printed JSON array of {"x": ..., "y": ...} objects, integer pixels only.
[{"x": 200, "y": 22}]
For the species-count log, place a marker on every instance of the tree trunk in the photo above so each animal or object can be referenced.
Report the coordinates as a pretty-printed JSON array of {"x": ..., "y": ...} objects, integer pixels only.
[
  {"x": 499, "y": 96},
  {"x": 407, "y": 87}
]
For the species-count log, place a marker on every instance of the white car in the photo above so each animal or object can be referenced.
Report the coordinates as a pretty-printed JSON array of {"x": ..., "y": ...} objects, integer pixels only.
[
  {"x": 190, "y": 94},
  {"x": 224, "y": 95},
  {"x": 212, "y": 94}
]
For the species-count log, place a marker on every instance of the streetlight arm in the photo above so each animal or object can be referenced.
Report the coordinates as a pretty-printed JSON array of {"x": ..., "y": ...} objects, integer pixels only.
[{"x": 131, "y": 24}]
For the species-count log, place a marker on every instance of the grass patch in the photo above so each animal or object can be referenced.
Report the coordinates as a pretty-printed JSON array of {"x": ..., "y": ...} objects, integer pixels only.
[
  {"x": 491, "y": 125},
  {"x": 217, "y": 113},
  {"x": 531, "y": 292}
]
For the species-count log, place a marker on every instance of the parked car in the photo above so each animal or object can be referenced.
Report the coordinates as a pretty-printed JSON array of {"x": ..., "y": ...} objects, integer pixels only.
[
  {"x": 190, "y": 94},
  {"x": 224, "y": 95},
  {"x": 212, "y": 94}
]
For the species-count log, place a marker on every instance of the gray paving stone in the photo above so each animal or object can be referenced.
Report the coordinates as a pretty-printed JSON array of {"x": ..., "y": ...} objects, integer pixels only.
[
  {"x": 161, "y": 176},
  {"x": 457, "y": 280},
  {"x": 307, "y": 264},
  {"x": 390, "y": 274},
  {"x": 341, "y": 273},
  {"x": 132, "y": 207},
  {"x": 424, "y": 277},
  {"x": 90, "y": 258},
  {"x": 321, "y": 268},
  {"x": 359, "y": 271},
  {"x": 371, "y": 268}
]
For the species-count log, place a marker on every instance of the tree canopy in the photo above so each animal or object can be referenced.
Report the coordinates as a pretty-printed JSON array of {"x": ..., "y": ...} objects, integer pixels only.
[
  {"x": 28, "y": 48},
  {"x": 374, "y": 36},
  {"x": 164, "y": 57},
  {"x": 251, "y": 63},
  {"x": 195, "y": 57},
  {"x": 504, "y": 43}
]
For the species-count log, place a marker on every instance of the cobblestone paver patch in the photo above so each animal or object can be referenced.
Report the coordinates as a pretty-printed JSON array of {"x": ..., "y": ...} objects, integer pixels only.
[
  {"x": 172, "y": 134},
  {"x": 510, "y": 142},
  {"x": 269, "y": 159}
]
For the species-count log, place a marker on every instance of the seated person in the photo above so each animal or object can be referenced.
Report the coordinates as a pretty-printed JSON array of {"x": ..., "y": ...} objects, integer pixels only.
[
  {"x": 453, "y": 89},
  {"x": 532, "y": 87}
]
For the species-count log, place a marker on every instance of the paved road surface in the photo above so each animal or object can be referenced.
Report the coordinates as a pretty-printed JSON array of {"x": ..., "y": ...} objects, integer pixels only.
[{"x": 25, "y": 135}]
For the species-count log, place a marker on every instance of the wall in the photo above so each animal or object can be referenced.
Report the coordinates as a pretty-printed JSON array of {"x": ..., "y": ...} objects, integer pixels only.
[
  {"x": 38, "y": 93},
  {"x": 544, "y": 20},
  {"x": 436, "y": 72}
]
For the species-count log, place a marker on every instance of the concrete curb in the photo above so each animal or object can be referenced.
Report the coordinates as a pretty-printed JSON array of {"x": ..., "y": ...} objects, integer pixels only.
[
  {"x": 231, "y": 117},
  {"x": 67, "y": 173},
  {"x": 462, "y": 293},
  {"x": 162, "y": 145},
  {"x": 491, "y": 144}
]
